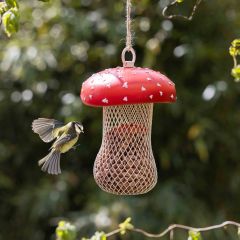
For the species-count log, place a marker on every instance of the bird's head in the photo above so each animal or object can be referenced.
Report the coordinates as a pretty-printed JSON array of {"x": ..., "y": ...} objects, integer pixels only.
[{"x": 78, "y": 127}]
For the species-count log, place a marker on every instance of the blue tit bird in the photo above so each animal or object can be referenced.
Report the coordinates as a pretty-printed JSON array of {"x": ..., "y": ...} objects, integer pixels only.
[{"x": 66, "y": 137}]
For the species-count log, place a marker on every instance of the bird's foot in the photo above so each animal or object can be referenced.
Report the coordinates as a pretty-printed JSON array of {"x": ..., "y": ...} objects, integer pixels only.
[{"x": 75, "y": 147}]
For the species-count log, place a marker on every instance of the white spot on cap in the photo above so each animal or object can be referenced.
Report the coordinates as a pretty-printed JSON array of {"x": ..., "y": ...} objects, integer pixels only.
[
  {"x": 125, "y": 85},
  {"x": 172, "y": 97},
  {"x": 170, "y": 83},
  {"x": 84, "y": 98},
  {"x": 143, "y": 89},
  {"x": 92, "y": 87},
  {"x": 149, "y": 79},
  {"x": 105, "y": 100},
  {"x": 161, "y": 93},
  {"x": 151, "y": 96},
  {"x": 125, "y": 99},
  {"x": 159, "y": 85},
  {"x": 108, "y": 85},
  {"x": 90, "y": 96}
]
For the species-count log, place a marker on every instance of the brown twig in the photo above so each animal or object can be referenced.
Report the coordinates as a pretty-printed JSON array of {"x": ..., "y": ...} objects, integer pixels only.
[
  {"x": 189, "y": 18},
  {"x": 171, "y": 228},
  {"x": 184, "y": 227}
]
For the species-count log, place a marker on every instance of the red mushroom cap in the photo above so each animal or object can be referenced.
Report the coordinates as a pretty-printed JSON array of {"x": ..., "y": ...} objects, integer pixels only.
[{"x": 127, "y": 85}]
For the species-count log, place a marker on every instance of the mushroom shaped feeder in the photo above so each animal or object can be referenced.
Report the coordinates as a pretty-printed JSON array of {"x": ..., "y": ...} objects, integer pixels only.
[{"x": 125, "y": 163}]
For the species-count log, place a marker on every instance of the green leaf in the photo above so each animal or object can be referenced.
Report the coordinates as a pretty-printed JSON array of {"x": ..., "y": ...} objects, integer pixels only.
[
  {"x": 179, "y": 1},
  {"x": 103, "y": 236},
  {"x": 10, "y": 20},
  {"x": 234, "y": 49},
  {"x": 3, "y": 7},
  {"x": 236, "y": 43},
  {"x": 12, "y": 3},
  {"x": 126, "y": 225},
  {"x": 99, "y": 236},
  {"x": 66, "y": 231},
  {"x": 236, "y": 73},
  {"x": 192, "y": 235}
]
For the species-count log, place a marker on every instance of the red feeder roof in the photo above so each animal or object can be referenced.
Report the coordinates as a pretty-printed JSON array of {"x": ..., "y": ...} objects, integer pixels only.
[{"x": 127, "y": 85}]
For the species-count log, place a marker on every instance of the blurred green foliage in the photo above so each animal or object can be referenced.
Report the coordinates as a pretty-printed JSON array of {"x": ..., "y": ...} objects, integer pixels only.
[
  {"x": 125, "y": 226},
  {"x": 9, "y": 16},
  {"x": 236, "y": 73},
  {"x": 195, "y": 141},
  {"x": 66, "y": 231},
  {"x": 97, "y": 236},
  {"x": 234, "y": 51},
  {"x": 194, "y": 235}
]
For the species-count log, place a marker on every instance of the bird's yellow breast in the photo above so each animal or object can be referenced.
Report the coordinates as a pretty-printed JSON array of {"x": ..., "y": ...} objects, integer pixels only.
[{"x": 67, "y": 146}]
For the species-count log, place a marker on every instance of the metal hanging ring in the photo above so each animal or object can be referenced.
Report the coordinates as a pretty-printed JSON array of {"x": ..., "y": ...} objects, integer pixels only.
[{"x": 124, "y": 61}]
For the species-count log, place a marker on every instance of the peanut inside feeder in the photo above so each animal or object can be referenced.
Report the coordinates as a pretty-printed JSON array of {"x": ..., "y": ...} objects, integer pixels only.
[{"x": 125, "y": 163}]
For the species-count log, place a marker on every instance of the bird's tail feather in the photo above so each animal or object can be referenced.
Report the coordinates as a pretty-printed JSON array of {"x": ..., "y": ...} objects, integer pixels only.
[{"x": 51, "y": 163}]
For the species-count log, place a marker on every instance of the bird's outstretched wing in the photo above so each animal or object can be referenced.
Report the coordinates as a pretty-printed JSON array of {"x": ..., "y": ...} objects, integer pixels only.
[{"x": 45, "y": 127}]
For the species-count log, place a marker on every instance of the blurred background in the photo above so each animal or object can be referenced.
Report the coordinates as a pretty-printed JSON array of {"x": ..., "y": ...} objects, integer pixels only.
[{"x": 195, "y": 141}]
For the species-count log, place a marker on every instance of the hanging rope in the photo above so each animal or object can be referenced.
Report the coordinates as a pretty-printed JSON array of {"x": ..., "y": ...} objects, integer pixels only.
[
  {"x": 128, "y": 25},
  {"x": 128, "y": 47}
]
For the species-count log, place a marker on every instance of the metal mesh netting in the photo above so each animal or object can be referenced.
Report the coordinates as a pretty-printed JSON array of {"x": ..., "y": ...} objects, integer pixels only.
[{"x": 125, "y": 164}]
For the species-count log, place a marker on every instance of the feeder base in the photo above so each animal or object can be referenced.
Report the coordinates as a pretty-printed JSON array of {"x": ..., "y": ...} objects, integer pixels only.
[{"x": 125, "y": 164}]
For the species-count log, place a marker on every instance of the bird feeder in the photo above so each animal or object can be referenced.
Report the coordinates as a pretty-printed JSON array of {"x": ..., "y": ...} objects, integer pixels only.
[{"x": 125, "y": 163}]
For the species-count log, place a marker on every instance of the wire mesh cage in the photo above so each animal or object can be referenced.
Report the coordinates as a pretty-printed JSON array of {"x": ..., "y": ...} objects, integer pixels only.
[{"x": 125, "y": 163}]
